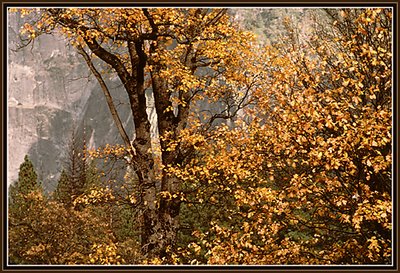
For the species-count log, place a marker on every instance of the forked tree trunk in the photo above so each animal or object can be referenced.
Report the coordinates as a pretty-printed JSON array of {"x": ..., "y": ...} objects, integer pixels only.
[{"x": 160, "y": 217}]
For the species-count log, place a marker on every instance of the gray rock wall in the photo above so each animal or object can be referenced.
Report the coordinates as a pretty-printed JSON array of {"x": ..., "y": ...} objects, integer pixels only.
[{"x": 50, "y": 93}]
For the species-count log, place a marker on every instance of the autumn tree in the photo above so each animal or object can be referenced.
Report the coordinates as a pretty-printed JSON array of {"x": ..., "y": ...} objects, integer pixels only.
[
  {"x": 310, "y": 176},
  {"x": 348, "y": 167},
  {"x": 63, "y": 230},
  {"x": 43, "y": 231},
  {"x": 184, "y": 56}
]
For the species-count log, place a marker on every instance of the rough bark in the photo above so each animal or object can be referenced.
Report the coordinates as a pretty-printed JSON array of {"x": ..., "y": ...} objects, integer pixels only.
[{"x": 167, "y": 123}]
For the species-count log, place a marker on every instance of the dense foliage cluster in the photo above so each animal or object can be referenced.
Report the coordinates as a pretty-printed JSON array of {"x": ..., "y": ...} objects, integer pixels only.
[{"x": 295, "y": 169}]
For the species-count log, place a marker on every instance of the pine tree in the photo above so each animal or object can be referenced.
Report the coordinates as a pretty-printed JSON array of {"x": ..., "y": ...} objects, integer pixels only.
[
  {"x": 76, "y": 167},
  {"x": 20, "y": 194},
  {"x": 27, "y": 177},
  {"x": 27, "y": 180},
  {"x": 78, "y": 173},
  {"x": 61, "y": 193}
]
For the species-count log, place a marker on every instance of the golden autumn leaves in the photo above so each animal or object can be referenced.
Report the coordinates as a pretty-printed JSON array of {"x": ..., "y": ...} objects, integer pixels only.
[{"x": 323, "y": 131}]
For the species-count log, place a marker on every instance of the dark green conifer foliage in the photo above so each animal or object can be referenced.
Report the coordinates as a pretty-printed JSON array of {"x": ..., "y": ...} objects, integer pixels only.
[
  {"x": 78, "y": 174},
  {"x": 63, "y": 188},
  {"x": 19, "y": 204},
  {"x": 27, "y": 177},
  {"x": 27, "y": 181}
]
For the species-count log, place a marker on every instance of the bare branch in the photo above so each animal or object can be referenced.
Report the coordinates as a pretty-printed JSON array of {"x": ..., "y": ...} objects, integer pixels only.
[{"x": 108, "y": 97}]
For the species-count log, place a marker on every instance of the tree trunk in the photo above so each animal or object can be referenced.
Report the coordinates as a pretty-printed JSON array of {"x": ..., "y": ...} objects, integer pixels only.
[
  {"x": 159, "y": 221},
  {"x": 159, "y": 217},
  {"x": 168, "y": 124}
]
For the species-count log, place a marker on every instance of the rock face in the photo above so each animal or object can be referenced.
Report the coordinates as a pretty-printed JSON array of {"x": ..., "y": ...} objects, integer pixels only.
[
  {"x": 50, "y": 93},
  {"x": 268, "y": 23}
]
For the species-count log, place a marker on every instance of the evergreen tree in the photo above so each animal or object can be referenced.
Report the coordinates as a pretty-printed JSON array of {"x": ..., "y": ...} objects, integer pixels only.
[
  {"x": 79, "y": 174},
  {"x": 19, "y": 196},
  {"x": 27, "y": 180},
  {"x": 27, "y": 177},
  {"x": 76, "y": 166},
  {"x": 61, "y": 193}
]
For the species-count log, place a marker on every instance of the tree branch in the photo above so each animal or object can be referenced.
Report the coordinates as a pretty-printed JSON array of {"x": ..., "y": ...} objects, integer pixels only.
[{"x": 108, "y": 97}]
